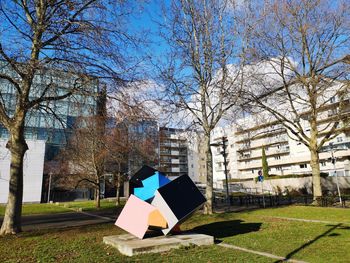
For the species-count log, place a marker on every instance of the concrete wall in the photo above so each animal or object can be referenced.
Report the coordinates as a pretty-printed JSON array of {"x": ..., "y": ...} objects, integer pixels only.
[
  {"x": 32, "y": 170},
  {"x": 328, "y": 183}
]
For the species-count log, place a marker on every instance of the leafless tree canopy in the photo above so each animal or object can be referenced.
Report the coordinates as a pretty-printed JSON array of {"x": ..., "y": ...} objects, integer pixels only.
[
  {"x": 68, "y": 39},
  {"x": 198, "y": 80},
  {"x": 300, "y": 66}
]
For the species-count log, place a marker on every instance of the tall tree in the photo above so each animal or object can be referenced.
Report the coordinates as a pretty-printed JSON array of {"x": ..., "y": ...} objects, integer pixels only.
[
  {"x": 39, "y": 37},
  {"x": 265, "y": 165},
  {"x": 203, "y": 40},
  {"x": 86, "y": 154},
  {"x": 304, "y": 73}
]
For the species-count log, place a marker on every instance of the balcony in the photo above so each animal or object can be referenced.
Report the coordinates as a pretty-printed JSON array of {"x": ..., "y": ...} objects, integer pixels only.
[
  {"x": 174, "y": 145},
  {"x": 175, "y": 169}
]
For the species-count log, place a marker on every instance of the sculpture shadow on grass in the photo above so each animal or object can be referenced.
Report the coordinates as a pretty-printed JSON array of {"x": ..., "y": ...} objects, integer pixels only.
[{"x": 226, "y": 228}]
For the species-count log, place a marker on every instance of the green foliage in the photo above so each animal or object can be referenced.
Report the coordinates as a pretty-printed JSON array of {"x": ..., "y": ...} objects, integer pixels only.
[{"x": 265, "y": 165}]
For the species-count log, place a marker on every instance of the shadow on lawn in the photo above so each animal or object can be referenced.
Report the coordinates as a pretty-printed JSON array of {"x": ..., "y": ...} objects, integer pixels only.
[
  {"x": 326, "y": 233},
  {"x": 226, "y": 228}
]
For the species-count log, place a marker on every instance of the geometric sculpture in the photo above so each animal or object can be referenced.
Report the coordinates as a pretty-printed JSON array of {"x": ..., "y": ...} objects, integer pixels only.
[
  {"x": 177, "y": 200},
  {"x": 136, "y": 215},
  {"x": 156, "y": 219},
  {"x": 150, "y": 185},
  {"x": 136, "y": 179},
  {"x": 158, "y": 202}
]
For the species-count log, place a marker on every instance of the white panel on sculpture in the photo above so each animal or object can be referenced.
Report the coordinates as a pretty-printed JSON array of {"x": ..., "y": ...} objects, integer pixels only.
[{"x": 164, "y": 209}]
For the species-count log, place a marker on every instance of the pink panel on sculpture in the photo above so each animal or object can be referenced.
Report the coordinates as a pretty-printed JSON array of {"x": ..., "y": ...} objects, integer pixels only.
[{"x": 134, "y": 216}]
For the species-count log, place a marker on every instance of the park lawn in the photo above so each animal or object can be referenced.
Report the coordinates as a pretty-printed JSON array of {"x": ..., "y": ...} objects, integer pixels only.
[
  {"x": 310, "y": 212},
  {"x": 312, "y": 242},
  {"x": 90, "y": 205},
  {"x": 84, "y": 244},
  {"x": 32, "y": 209}
]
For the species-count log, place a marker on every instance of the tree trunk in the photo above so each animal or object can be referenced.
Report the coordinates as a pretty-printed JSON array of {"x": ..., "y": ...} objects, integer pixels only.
[
  {"x": 117, "y": 190},
  {"x": 208, "y": 207},
  {"x": 315, "y": 161},
  {"x": 97, "y": 197},
  {"x": 17, "y": 146},
  {"x": 316, "y": 176}
]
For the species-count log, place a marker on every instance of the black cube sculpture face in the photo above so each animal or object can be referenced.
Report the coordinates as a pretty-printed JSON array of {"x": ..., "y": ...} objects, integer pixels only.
[
  {"x": 182, "y": 196},
  {"x": 170, "y": 204}
]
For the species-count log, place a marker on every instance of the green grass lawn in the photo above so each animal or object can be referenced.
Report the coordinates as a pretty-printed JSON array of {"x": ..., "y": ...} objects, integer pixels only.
[
  {"x": 256, "y": 230},
  {"x": 302, "y": 212},
  {"x": 90, "y": 205},
  {"x": 32, "y": 209}
]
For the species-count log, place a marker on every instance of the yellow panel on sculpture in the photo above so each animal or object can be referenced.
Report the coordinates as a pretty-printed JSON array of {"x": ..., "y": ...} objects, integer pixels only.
[{"x": 156, "y": 219}]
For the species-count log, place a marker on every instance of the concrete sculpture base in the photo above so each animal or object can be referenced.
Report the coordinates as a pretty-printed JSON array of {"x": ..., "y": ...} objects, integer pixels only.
[{"x": 130, "y": 245}]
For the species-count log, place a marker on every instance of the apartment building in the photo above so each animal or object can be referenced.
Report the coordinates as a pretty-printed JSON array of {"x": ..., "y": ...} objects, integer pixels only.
[
  {"x": 197, "y": 164},
  {"x": 173, "y": 150},
  {"x": 285, "y": 155}
]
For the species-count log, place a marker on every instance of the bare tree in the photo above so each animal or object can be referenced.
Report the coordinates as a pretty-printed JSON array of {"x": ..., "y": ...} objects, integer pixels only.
[
  {"x": 104, "y": 145},
  {"x": 39, "y": 37},
  {"x": 299, "y": 73},
  {"x": 203, "y": 41},
  {"x": 85, "y": 156}
]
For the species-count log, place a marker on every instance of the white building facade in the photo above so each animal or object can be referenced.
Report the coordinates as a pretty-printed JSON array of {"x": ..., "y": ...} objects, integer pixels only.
[
  {"x": 32, "y": 171},
  {"x": 285, "y": 156}
]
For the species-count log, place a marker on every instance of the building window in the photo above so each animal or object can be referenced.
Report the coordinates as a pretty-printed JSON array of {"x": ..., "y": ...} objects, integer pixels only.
[
  {"x": 339, "y": 139},
  {"x": 278, "y": 168},
  {"x": 252, "y": 171},
  {"x": 277, "y": 157},
  {"x": 303, "y": 165},
  {"x": 332, "y": 100},
  {"x": 323, "y": 163}
]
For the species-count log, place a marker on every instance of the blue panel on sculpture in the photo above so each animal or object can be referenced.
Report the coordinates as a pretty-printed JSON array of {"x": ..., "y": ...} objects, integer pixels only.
[{"x": 150, "y": 185}]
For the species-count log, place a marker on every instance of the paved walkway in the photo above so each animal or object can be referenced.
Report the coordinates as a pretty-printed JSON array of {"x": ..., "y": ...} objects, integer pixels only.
[
  {"x": 68, "y": 219},
  {"x": 264, "y": 254}
]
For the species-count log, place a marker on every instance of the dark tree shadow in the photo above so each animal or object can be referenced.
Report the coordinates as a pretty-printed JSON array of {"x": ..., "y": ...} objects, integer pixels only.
[
  {"x": 226, "y": 229},
  {"x": 326, "y": 233}
]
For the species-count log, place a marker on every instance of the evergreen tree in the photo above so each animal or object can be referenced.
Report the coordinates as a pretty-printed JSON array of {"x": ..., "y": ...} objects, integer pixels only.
[{"x": 265, "y": 165}]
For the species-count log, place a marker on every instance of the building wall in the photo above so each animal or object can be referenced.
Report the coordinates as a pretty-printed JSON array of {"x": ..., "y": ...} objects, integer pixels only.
[
  {"x": 173, "y": 152},
  {"x": 40, "y": 123},
  {"x": 196, "y": 158},
  {"x": 287, "y": 156},
  {"x": 143, "y": 132},
  {"x": 284, "y": 155},
  {"x": 32, "y": 171}
]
